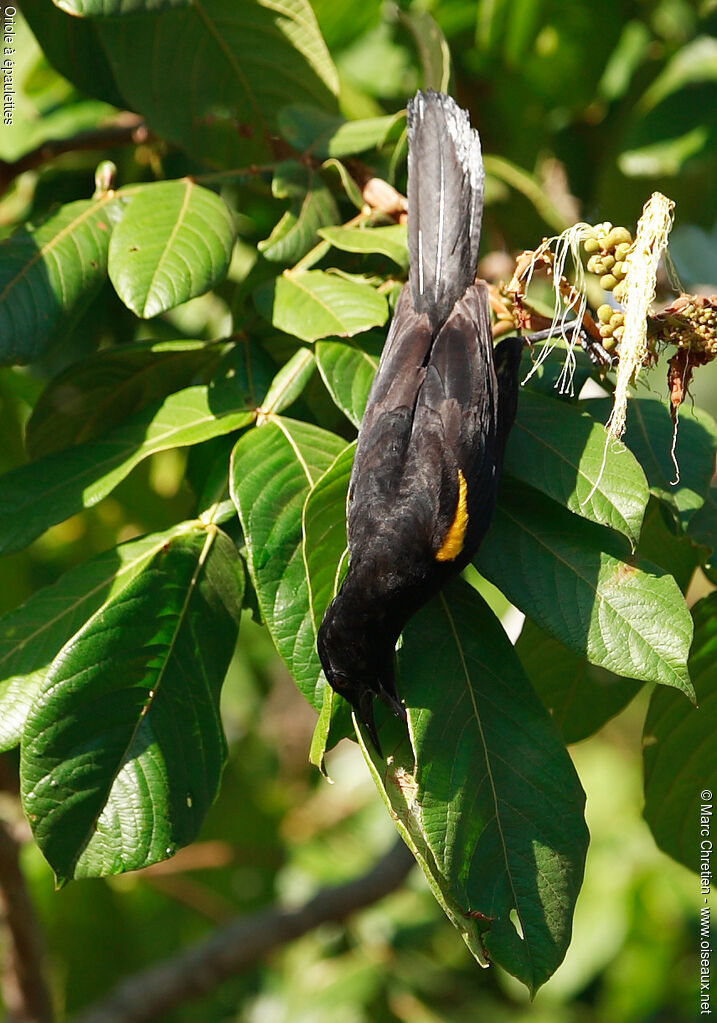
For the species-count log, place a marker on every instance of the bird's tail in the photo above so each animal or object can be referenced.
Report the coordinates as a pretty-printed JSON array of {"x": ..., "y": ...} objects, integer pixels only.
[{"x": 445, "y": 203}]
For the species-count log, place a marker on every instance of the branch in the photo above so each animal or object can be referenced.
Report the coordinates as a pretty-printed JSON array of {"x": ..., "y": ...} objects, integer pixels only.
[
  {"x": 127, "y": 129},
  {"x": 151, "y": 993},
  {"x": 24, "y": 990}
]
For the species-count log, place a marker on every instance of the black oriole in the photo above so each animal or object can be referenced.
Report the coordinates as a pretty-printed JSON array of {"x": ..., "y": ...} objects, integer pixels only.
[{"x": 430, "y": 448}]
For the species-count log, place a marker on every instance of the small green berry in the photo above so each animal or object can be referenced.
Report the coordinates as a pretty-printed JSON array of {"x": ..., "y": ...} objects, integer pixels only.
[
  {"x": 622, "y": 250},
  {"x": 617, "y": 320},
  {"x": 605, "y": 312},
  {"x": 608, "y": 261},
  {"x": 591, "y": 245},
  {"x": 618, "y": 236},
  {"x": 605, "y": 330},
  {"x": 608, "y": 282}
]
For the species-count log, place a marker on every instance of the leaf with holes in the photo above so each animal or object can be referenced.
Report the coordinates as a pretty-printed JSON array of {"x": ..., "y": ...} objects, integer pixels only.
[
  {"x": 36, "y": 496},
  {"x": 123, "y": 749},
  {"x": 92, "y": 396},
  {"x": 487, "y": 798},
  {"x": 569, "y": 576},
  {"x": 31, "y": 636},
  {"x": 311, "y": 304},
  {"x": 563, "y": 452},
  {"x": 273, "y": 469},
  {"x": 679, "y": 751},
  {"x": 173, "y": 243},
  {"x": 49, "y": 273},
  {"x": 311, "y": 207},
  {"x": 348, "y": 369}
]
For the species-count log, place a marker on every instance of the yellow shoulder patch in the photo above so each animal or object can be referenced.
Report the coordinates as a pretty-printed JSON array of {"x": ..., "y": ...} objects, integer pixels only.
[{"x": 455, "y": 537}]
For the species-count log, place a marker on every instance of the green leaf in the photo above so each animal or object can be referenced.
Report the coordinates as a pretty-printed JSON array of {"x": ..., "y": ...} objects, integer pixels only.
[
  {"x": 649, "y": 435},
  {"x": 694, "y": 62},
  {"x": 100, "y": 8},
  {"x": 92, "y": 396},
  {"x": 702, "y": 527},
  {"x": 665, "y": 157},
  {"x": 209, "y": 77},
  {"x": 325, "y": 549},
  {"x": 289, "y": 382},
  {"x": 324, "y": 529},
  {"x": 568, "y": 576},
  {"x": 348, "y": 370},
  {"x": 73, "y": 47},
  {"x": 123, "y": 749},
  {"x": 581, "y": 697},
  {"x": 173, "y": 243},
  {"x": 315, "y": 131},
  {"x": 273, "y": 469},
  {"x": 663, "y": 544},
  {"x": 488, "y": 799},
  {"x": 42, "y": 493},
  {"x": 49, "y": 273},
  {"x": 312, "y": 207},
  {"x": 31, "y": 636},
  {"x": 433, "y": 50},
  {"x": 563, "y": 452},
  {"x": 391, "y": 241},
  {"x": 312, "y": 304},
  {"x": 679, "y": 751}
]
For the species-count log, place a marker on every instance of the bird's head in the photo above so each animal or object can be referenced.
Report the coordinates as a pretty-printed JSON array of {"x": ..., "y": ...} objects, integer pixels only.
[{"x": 358, "y": 665}]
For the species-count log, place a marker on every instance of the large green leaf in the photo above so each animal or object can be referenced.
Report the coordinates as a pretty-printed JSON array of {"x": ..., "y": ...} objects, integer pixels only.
[
  {"x": 311, "y": 207},
  {"x": 326, "y": 559},
  {"x": 569, "y": 577},
  {"x": 324, "y": 530},
  {"x": 348, "y": 369},
  {"x": 123, "y": 749},
  {"x": 73, "y": 47},
  {"x": 681, "y": 484},
  {"x": 49, "y": 273},
  {"x": 580, "y": 696},
  {"x": 273, "y": 469},
  {"x": 562, "y": 451},
  {"x": 491, "y": 805},
  {"x": 680, "y": 754},
  {"x": 389, "y": 241},
  {"x": 174, "y": 242},
  {"x": 31, "y": 636},
  {"x": 42, "y": 493},
  {"x": 324, "y": 134},
  {"x": 311, "y": 304},
  {"x": 210, "y": 77},
  {"x": 92, "y": 396}
]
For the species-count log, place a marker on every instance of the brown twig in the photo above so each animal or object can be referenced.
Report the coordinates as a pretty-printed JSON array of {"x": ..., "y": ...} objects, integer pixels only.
[
  {"x": 128, "y": 129},
  {"x": 150, "y": 994},
  {"x": 25, "y": 993}
]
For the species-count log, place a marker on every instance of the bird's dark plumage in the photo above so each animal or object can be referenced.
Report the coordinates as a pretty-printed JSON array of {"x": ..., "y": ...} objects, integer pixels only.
[{"x": 431, "y": 443}]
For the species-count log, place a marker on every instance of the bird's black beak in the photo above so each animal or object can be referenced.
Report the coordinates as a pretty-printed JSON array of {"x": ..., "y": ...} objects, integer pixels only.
[{"x": 364, "y": 713}]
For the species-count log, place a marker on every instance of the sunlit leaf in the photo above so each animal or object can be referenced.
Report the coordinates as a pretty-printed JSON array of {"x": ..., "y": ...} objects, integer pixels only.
[
  {"x": 273, "y": 469},
  {"x": 312, "y": 304},
  {"x": 568, "y": 575}
]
